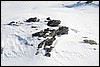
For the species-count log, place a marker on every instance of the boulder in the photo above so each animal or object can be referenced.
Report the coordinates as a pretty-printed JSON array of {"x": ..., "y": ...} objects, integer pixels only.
[{"x": 53, "y": 23}]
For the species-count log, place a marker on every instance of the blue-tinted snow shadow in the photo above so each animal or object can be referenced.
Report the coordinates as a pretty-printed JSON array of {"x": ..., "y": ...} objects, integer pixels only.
[
  {"x": 81, "y": 4},
  {"x": 22, "y": 39}
]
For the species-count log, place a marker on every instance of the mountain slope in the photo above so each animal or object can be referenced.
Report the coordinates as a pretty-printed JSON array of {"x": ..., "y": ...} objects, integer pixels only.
[{"x": 69, "y": 49}]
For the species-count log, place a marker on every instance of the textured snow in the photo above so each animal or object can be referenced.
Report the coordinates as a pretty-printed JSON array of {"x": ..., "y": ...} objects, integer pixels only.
[{"x": 69, "y": 50}]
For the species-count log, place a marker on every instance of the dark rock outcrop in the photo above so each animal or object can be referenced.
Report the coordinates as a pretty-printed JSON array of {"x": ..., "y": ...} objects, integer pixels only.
[
  {"x": 48, "y": 42},
  {"x": 90, "y": 41},
  {"x": 48, "y": 18},
  {"x": 48, "y": 49},
  {"x": 62, "y": 30},
  {"x": 41, "y": 44},
  {"x": 33, "y": 20},
  {"x": 33, "y": 27},
  {"x": 1, "y": 50},
  {"x": 53, "y": 23},
  {"x": 13, "y": 23},
  {"x": 48, "y": 54},
  {"x": 39, "y": 34},
  {"x": 88, "y": 2}
]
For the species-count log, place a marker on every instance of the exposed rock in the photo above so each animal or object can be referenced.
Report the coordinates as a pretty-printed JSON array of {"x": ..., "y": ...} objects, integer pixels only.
[
  {"x": 62, "y": 30},
  {"x": 48, "y": 49},
  {"x": 85, "y": 37},
  {"x": 90, "y": 41},
  {"x": 33, "y": 20},
  {"x": 48, "y": 18},
  {"x": 40, "y": 45},
  {"x": 33, "y": 27},
  {"x": 53, "y": 23},
  {"x": 31, "y": 44},
  {"x": 37, "y": 53},
  {"x": 47, "y": 32},
  {"x": 13, "y": 23},
  {"x": 39, "y": 34},
  {"x": 48, "y": 54},
  {"x": 88, "y": 2},
  {"x": 1, "y": 50},
  {"x": 94, "y": 48},
  {"x": 48, "y": 42},
  {"x": 51, "y": 33}
]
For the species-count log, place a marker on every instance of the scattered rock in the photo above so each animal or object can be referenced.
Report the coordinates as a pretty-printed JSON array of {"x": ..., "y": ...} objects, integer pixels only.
[
  {"x": 33, "y": 27},
  {"x": 31, "y": 44},
  {"x": 36, "y": 53},
  {"x": 85, "y": 37},
  {"x": 40, "y": 45},
  {"x": 33, "y": 20},
  {"x": 48, "y": 49},
  {"x": 90, "y": 41},
  {"x": 94, "y": 48},
  {"x": 48, "y": 42},
  {"x": 36, "y": 29},
  {"x": 88, "y": 2},
  {"x": 51, "y": 33},
  {"x": 48, "y": 54},
  {"x": 53, "y": 23},
  {"x": 39, "y": 34},
  {"x": 38, "y": 38},
  {"x": 48, "y": 18},
  {"x": 13, "y": 23},
  {"x": 62, "y": 30}
]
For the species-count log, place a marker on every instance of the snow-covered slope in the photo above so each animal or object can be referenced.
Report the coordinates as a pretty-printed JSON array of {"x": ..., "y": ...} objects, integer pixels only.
[{"x": 83, "y": 23}]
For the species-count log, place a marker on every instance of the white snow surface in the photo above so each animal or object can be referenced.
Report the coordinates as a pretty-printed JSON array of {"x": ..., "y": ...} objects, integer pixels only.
[{"x": 69, "y": 50}]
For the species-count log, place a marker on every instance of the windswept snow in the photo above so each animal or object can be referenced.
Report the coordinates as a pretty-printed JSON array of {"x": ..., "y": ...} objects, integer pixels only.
[{"x": 69, "y": 50}]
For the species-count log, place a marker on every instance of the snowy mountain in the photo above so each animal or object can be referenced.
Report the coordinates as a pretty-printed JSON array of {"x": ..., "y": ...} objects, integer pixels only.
[{"x": 19, "y": 47}]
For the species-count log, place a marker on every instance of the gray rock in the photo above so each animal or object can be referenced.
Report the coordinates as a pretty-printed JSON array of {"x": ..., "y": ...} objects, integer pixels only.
[
  {"x": 48, "y": 54},
  {"x": 1, "y": 50},
  {"x": 53, "y": 23},
  {"x": 90, "y": 41},
  {"x": 33, "y": 20},
  {"x": 62, "y": 30},
  {"x": 48, "y": 42},
  {"x": 48, "y": 18},
  {"x": 39, "y": 34},
  {"x": 41, "y": 44}
]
